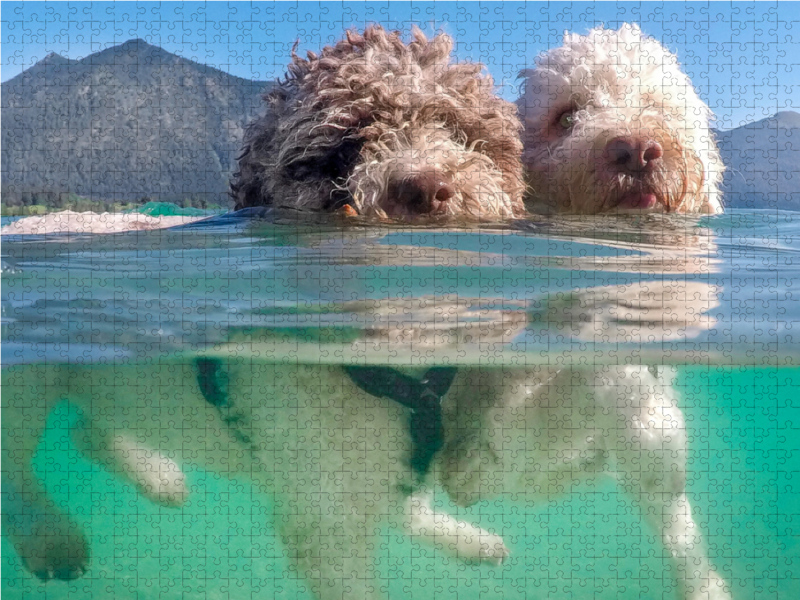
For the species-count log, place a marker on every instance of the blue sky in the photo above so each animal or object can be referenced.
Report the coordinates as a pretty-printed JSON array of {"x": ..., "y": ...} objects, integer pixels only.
[{"x": 743, "y": 57}]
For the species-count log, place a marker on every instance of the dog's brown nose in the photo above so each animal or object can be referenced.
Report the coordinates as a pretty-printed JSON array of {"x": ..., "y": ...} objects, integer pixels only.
[
  {"x": 632, "y": 154},
  {"x": 423, "y": 192}
]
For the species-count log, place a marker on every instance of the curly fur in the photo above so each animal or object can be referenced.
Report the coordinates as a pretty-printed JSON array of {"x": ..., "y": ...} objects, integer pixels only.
[
  {"x": 594, "y": 90},
  {"x": 371, "y": 114},
  {"x": 337, "y": 460}
]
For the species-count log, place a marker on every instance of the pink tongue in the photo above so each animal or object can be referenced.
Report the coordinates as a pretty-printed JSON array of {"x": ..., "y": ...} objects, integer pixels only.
[{"x": 638, "y": 200}]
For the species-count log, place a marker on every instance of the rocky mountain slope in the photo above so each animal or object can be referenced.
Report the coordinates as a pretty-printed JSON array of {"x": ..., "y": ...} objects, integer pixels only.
[
  {"x": 129, "y": 121},
  {"x": 763, "y": 163}
]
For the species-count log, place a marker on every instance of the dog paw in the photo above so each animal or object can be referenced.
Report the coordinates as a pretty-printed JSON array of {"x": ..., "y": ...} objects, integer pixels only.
[
  {"x": 157, "y": 477},
  {"x": 494, "y": 555},
  {"x": 165, "y": 488},
  {"x": 713, "y": 589},
  {"x": 50, "y": 545},
  {"x": 467, "y": 542},
  {"x": 489, "y": 550},
  {"x": 708, "y": 587}
]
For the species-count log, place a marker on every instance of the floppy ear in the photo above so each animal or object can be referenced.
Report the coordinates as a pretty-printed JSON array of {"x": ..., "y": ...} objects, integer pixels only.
[
  {"x": 714, "y": 170},
  {"x": 247, "y": 186}
]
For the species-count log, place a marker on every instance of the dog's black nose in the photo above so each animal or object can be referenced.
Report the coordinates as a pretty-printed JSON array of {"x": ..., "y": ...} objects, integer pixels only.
[
  {"x": 632, "y": 154},
  {"x": 423, "y": 192}
]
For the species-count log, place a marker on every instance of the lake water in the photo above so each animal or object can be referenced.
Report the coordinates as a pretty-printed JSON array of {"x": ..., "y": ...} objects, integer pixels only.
[{"x": 713, "y": 296}]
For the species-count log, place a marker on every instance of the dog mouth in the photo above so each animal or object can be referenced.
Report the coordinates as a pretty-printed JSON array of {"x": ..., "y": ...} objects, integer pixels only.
[
  {"x": 650, "y": 192},
  {"x": 639, "y": 199}
]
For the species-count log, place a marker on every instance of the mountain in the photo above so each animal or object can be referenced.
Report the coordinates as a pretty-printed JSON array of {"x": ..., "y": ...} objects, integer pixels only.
[
  {"x": 130, "y": 121},
  {"x": 763, "y": 163}
]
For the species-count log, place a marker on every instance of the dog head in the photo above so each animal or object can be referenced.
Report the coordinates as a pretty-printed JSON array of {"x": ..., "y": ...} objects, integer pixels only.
[
  {"x": 613, "y": 124},
  {"x": 391, "y": 129}
]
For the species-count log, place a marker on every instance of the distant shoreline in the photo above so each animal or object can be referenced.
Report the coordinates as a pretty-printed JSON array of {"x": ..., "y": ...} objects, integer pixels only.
[{"x": 171, "y": 208}]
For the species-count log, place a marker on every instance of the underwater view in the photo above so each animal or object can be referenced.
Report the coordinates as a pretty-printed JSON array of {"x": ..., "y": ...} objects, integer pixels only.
[
  {"x": 399, "y": 301},
  {"x": 708, "y": 299}
]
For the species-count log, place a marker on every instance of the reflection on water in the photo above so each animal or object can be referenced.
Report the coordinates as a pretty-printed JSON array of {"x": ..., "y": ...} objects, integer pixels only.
[
  {"x": 667, "y": 288},
  {"x": 565, "y": 292}
]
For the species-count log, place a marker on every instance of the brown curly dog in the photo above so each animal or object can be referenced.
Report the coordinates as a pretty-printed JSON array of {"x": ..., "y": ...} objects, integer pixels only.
[{"x": 387, "y": 129}]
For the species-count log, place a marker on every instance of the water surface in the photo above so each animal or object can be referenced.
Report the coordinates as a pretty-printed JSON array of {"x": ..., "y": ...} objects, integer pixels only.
[{"x": 713, "y": 296}]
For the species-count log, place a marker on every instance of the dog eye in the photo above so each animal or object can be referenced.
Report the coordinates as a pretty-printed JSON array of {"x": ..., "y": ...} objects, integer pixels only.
[
  {"x": 331, "y": 165},
  {"x": 567, "y": 119}
]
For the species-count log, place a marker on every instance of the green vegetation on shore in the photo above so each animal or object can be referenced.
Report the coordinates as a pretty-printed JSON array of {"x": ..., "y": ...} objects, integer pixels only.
[
  {"x": 41, "y": 203},
  {"x": 83, "y": 206}
]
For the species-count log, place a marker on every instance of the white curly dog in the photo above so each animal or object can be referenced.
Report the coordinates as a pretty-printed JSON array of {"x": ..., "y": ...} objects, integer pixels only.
[{"x": 612, "y": 124}]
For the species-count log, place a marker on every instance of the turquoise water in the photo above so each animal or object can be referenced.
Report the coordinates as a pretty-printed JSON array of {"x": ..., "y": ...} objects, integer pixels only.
[{"x": 713, "y": 296}]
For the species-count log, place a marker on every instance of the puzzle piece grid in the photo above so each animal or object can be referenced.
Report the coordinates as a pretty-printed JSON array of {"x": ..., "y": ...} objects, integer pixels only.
[{"x": 742, "y": 421}]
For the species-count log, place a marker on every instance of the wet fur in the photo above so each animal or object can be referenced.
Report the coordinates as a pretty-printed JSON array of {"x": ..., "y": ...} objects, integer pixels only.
[
  {"x": 338, "y": 459},
  {"x": 618, "y": 83},
  {"x": 372, "y": 110}
]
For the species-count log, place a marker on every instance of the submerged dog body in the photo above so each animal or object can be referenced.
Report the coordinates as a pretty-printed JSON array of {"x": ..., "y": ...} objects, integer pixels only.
[
  {"x": 338, "y": 459},
  {"x": 390, "y": 129},
  {"x": 611, "y": 123}
]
